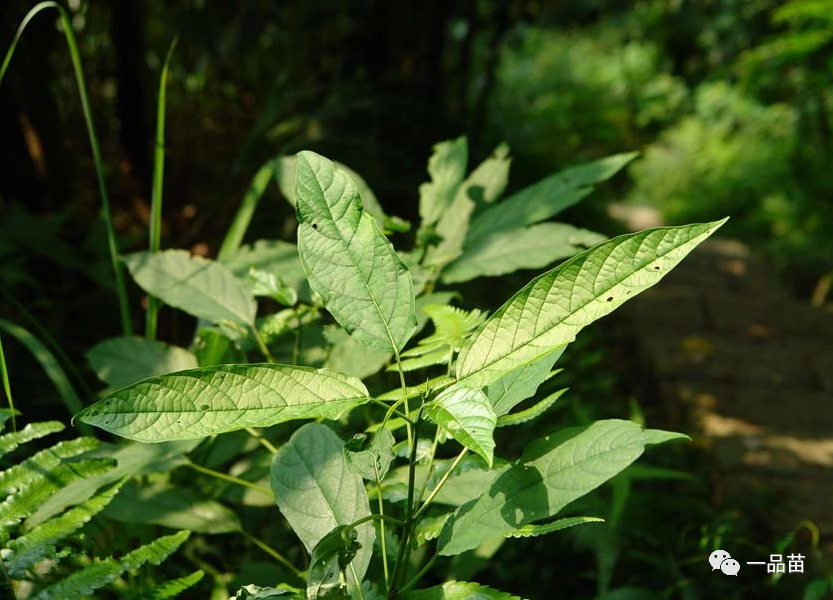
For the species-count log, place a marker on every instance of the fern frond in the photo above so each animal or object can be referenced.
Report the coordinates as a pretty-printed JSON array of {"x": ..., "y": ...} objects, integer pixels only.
[
  {"x": 33, "y": 431},
  {"x": 43, "y": 462},
  {"x": 533, "y": 412},
  {"x": 26, "y": 501},
  {"x": 23, "y": 552},
  {"x": 533, "y": 530},
  {"x": 95, "y": 576},
  {"x": 452, "y": 326},
  {"x": 169, "y": 589}
]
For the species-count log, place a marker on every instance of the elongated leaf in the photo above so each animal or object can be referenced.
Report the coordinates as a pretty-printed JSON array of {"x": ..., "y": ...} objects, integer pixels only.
[
  {"x": 317, "y": 491},
  {"x": 528, "y": 248},
  {"x": 521, "y": 383},
  {"x": 447, "y": 168},
  {"x": 348, "y": 261},
  {"x": 552, "y": 472},
  {"x": 468, "y": 417},
  {"x": 545, "y": 198},
  {"x": 171, "y": 506},
  {"x": 531, "y": 413},
  {"x": 202, "y": 402},
  {"x": 124, "y": 360},
  {"x": 545, "y": 528},
  {"x": 32, "y": 547},
  {"x": 550, "y": 310},
  {"x": 97, "y": 575},
  {"x": 169, "y": 589},
  {"x": 201, "y": 287},
  {"x": 460, "y": 590}
]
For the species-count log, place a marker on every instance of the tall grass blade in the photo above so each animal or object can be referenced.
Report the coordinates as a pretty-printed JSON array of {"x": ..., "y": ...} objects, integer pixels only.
[
  {"x": 156, "y": 193},
  {"x": 237, "y": 230},
  {"x": 6, "y": 387},
  {"x": 112, "y": 245}
]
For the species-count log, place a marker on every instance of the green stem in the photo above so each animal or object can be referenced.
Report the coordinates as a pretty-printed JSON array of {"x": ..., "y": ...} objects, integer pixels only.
[
  {"x": 402, "y": 556},
  {"x": 384, "y": 541},
  {"x": 266, "y": 443},
  {"x": 441, "y": 483},
  {"x": 155, "y": 231},
  {"x": 381, "y": 518},
  {"x": 75, "y": 58},
  {"x": 415, "y": 579},
  {"x": 6, "y": 386},
  {"x": 391, "y": 412},
  {"x": 274, "y": 554},
  {"x": 264, "y": 349},
  {"x": 430, "y": 465},
  {"x": 230, "y": 478}
]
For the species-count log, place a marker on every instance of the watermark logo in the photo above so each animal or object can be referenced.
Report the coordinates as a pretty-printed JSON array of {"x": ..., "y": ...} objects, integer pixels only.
[{"x": 720, "y": 559}]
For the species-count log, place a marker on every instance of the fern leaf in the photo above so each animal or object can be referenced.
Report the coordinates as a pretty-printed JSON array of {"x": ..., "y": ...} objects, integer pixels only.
[
  {"x": 33, "y": 431},
  {"x": 97, "y": 575},
  {"x": 169, "y": 589},
  {"x": 27, "y": 500},
  {"x": 38, "y": 544},
  {"x": 533, "y": 530},
  {"x": 43, "y": 462},
  {"x": 452, "y": 326},
  {"x": 533, "y": 412}
]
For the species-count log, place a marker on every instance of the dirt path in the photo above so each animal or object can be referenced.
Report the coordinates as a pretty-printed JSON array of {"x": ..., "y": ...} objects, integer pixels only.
[{"x": 750, "y": 370}]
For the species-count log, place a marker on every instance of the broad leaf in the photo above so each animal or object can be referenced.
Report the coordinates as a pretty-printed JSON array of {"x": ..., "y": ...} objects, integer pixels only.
[
  {"x": 467, "y": 415},
  {"x": 550, "y": 310},
  {"x": 545, "y": 198},
  {"x": 553, "y": 471},
  {"x": 348, "y": 261},
  {"x": 202, "y": 288},
  {"x": 121, "y": 361},
  {"x": 171, "y": 506},
  {"x": 528, "y": 248},
  {"x": 202, "y": 402},
  {"x": 447, "y": 168},
  {"x": 459, "y": 590},
  {"x": 317, "y": 491}
]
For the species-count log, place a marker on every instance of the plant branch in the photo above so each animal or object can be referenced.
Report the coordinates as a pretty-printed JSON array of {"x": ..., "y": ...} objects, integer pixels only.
[
  {"x": 441, "y": 482},
  {"x": 229, "y": 478},
  {"x": 274, "y": 554}
]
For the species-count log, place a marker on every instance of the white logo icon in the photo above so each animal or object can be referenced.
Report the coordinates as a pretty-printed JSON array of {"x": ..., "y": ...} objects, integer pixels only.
[{"x": 720, "y": 559}]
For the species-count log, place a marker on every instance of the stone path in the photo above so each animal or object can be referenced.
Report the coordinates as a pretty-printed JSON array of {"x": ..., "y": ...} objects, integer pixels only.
[{"x": 748, "y": 368}]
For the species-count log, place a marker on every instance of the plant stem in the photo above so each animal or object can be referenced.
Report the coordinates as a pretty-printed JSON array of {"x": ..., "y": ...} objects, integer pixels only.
[
  {"x": 155, "y": 232},
  {"x": 391, "y": 412},
  {"x": 264, "y": 349},
  {"x": 8, "y": 389},
  {"x": 75, "y": 58},
  {"x": 229, "y": 478},
  {"x": 381, "y": 518},
  {"x": 274, "y": 554},
  {"x": 419, "y": 575},
  {"x": 430, "y": 464},
  {"x": 266, "y": 443},
  {"x": 384, "y": 542},
  {"x": 441, "y": 482}
]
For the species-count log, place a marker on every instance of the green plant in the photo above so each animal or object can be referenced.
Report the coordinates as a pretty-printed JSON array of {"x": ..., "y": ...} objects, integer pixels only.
[{"x": 474, "y": 371}]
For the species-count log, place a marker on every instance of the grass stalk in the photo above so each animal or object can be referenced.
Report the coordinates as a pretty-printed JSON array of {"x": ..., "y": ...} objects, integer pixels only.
[
  {"x": 155, "y": 233},
  {"x": 75, "y": 57},
  {"x": 6, "y": 386}
]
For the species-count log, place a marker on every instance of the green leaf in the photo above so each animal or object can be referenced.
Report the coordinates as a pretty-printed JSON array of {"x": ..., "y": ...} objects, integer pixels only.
[
  {"x": 349, "y": 356},
  {"x": 169, "y": 589},
  {"x": 543, "y": 529},
  {"x": 370, "y": 457},
  {"x": 531, "y": 413},
  {"x": 171, "y": 506},
  {"x": 546, "y": 198},
  {"x": 328, "y": 564},
  {"x": 274, "y": 256},
  {"x": 43, "y": 462},
  {"x": 521, "y": 382},
  {"x": 266, "y": 283},
  {"x": 467, "y": 415},
  {"x": 528, "y": 248},
  {"x": 316, "y": 491},
  {"x": 33, "y": 431},
  {"x": 447, "y": 168},
  {"x": 211, "y": 400},
  {"x": 26, "y": 550},
  {"x": 131, "y": 459},
  {"x": 429, "y": 528},
  {"x": 459, "y": 590},
  {"x": 201, "y": 287},
  {"x": 6, "y": 414},
  {"x": 550, "y": 310},
  {"x": 348, "y": 261},
  {"x": 658, "y": 436},
  {"x": 121, "y": 361},
  {"x": 211, "y": 347},
  {"x": 553, "y": 471},
  {"x": 99, "y": 574},
  {"x": 256, "y": 592},
  {"x": 486, "y": 183}
]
